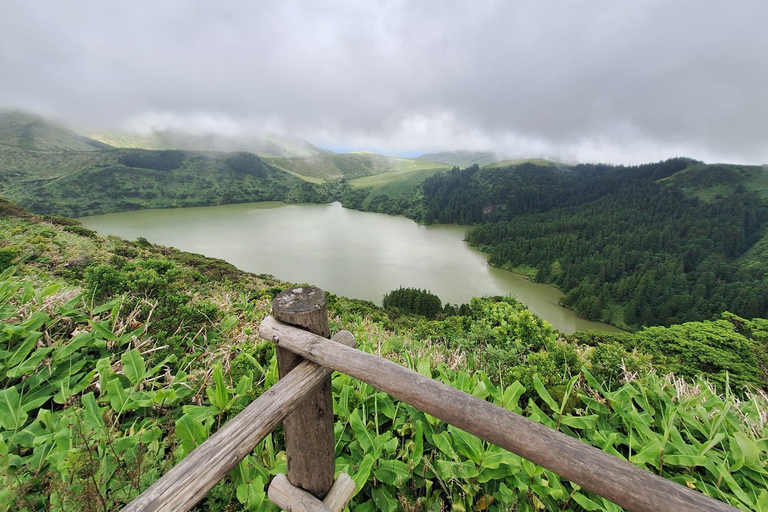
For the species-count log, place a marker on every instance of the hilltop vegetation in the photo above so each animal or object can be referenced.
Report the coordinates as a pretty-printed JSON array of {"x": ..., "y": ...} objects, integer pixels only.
[
  {"x": 461, "y": 158},
  {"x": 262, "y": 145},
  {"x": 118, "y": 180},
  {"x": 120, "y": 357},
  {"x": 32, "y": 133},
  {"x": 350, "y": 166},
  {"x": 654, "y": 244},
  {"x": 53, "y": 171}
]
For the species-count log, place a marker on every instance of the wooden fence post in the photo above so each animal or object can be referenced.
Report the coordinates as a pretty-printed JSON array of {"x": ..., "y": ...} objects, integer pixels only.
[{"x": 309, "y": 442}]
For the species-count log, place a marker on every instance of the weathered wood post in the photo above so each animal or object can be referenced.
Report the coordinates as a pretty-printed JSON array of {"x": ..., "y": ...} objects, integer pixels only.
[{"x": 309, "y": 443}]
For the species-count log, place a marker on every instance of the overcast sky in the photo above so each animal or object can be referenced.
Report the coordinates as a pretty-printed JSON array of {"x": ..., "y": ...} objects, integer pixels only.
[{"x": 617, "y": 81}]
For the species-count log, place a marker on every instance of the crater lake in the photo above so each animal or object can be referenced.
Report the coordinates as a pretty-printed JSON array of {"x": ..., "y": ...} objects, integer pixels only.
[{"x": 347, "y": 252}]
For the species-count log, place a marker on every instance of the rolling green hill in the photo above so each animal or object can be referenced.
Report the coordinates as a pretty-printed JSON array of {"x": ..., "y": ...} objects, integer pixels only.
[
  {"x": 51, "y": 170},
  {"x": 351, "y": 166},
  {"x": 541, "y": 162},
  {"x": 461, "y": 158},
  {"x": 262, "y": 145},
  {"x": 19, "y": 130}
]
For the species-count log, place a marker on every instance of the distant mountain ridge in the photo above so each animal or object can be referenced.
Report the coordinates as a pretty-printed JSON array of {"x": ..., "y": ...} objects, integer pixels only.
[
  {"x": 351, "y": 166},
  {"x": 272, "y": 145},
  {"x": 34, "y": 133},
  {"x": 462, "y": 158}
]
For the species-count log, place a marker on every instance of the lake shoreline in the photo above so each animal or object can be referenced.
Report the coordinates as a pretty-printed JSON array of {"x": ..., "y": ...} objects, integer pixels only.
[{"x": 350, "y": 253}]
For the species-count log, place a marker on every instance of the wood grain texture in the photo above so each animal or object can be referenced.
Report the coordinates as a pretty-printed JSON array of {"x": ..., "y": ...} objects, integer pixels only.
[
  {"x": 309, "y": 443},
  {"x": 341, "y": 492},
  {"x": 289, "y": 497},
  {"x": 184, "y": 485},
  {"x": 617, "y": 480}
]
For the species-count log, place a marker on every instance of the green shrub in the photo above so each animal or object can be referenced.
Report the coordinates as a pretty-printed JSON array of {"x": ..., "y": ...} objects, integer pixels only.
[{"x": 8, "y": 256}]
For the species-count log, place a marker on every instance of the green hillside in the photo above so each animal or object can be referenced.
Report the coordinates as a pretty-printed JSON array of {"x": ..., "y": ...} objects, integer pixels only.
[
  {"x": 351, "y": 166},
  {"x": 461, "y": 158},
  {"x": 262, "y": 145},
  {"x": 98, "y": 182},
  {"x": 120, "y": 357},
  {"x": 33, "y": 133},
  {"x": 50, "y": 170},
  {"x": 715, "y": 182},
  {"x": 541, "y": 162}
]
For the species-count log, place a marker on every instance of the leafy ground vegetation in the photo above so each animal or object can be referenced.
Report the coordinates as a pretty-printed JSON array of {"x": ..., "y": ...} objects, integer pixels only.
[{"x": 118, "y": 358}]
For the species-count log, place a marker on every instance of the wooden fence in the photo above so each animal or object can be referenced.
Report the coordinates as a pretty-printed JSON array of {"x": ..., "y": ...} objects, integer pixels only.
[{"x": 301, "y": 399}]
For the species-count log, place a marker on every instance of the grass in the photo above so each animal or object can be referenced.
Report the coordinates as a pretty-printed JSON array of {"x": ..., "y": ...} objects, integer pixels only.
[
  {"x": 711, "y": 182},
  {"x": 517, "y": 161},
  {"x": 350, "y": 166},
  {"x": 399, "y": 178}
]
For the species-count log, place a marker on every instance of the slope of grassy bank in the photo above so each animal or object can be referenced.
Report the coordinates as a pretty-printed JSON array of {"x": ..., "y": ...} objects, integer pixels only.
[{"x": 120, "y": 357}]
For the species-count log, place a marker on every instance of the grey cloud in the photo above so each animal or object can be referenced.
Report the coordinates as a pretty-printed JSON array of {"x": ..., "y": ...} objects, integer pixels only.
[{"x": 588, "y": 80}]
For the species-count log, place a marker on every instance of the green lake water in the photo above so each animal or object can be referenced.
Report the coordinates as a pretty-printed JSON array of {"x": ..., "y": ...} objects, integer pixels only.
[{"x": 347, "y": 252}]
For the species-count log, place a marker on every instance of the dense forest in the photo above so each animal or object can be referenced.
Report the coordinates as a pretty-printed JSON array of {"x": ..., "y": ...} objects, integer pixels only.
[
  {"x": 655, "y": 244},
  {"x": 120, "y": 357}
]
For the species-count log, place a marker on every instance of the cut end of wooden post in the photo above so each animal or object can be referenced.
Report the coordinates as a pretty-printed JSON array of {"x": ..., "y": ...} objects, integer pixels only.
[
  {"x": 294, "y": 499},
  {"x": 303, "y": 306}
]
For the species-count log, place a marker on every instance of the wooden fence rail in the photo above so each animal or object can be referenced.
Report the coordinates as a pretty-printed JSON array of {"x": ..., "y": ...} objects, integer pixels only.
[{"x": 624, "y": 484}]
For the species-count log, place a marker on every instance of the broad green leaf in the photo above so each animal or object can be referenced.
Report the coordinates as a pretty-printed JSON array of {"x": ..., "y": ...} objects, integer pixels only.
[
  {"x": 582, "y": 422},
  {"x": 228, "y": 323},
  {"x": 3, "y": 454},
  {"x": 362, "y": 434},
  {"x": 384, "y": 499},
  {"x": 109, "y": 305},
  {"x": 511, "y": 397},
  {"x": 367, "y": 506},
  {"x": 23, "y": 349},
  {"x": 342, "y": 403},
  {"x": 103, "y": 329},
  {"x": 118, "y": 396},
  {"x": 218, "y": 394},
  {"x": 93, "y": 414},
  {"x": 77, "y": 342},
  {"x": 424, "y": 367},
  {"x": 418, "y": 442},
  {"x": 586, "y": 503},
  {"x": 443, "y": 443},
  {"x": 544, "y": 394},
  {"x": 688, "y": 461},
  {"x": 29, "y": 365},
  {"x": 649, "y": 454},
  {"x": 252, "y": 494},
  {"x": 467, "y": 444},
  {"x": 12, "y": 416},
  {"x": 530, "y": 468},
  {"x": 496, "y": 459},
  {"x": 133, "y": 366},
  {"x": 393, "y": 472},
  {"x": 750, "y": 451},
  {"x": 363, "y": 471},
  {"x": 47, "y": 292},
  {"x": 191, "y": 432}
]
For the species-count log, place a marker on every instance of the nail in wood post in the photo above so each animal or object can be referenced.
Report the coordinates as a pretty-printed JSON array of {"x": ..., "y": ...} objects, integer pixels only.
[{"x": 309, "y": 446}]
